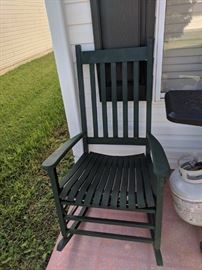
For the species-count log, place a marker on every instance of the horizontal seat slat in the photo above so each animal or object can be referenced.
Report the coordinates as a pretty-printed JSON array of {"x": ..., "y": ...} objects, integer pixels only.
[
  {"x": 97, "y": 178},
  {"x": 117, "y": 183},
  {"x": 110, "y": 182},
  {"x": 73, "y": 178}
]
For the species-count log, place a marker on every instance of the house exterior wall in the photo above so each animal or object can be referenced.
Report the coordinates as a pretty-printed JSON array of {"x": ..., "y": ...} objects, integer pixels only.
[
  {"x": 24, "y": 32},
  {"x": 182, "y": 59},
  {"x": 176, "y": 139}
]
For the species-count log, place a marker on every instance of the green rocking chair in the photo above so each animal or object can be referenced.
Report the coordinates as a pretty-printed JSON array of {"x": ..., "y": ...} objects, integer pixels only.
[{"x": 130, "y": 183}]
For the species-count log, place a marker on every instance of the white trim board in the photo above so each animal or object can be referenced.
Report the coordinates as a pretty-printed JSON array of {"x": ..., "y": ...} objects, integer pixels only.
[
  {"x": 158, "y": 48},
  {"x": 64, "y": 63}
]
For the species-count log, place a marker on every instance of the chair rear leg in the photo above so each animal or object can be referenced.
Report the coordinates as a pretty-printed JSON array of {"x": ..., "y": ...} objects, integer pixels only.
[{"x": 59, "y": 208}]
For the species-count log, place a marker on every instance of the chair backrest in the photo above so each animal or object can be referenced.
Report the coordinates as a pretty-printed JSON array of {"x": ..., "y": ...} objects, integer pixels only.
[{"x": 114, "y": 57}]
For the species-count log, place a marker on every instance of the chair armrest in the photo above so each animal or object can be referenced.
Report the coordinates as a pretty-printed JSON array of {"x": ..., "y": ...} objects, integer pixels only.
[
  {"x": 160, "y": 163},
  {"x": 58, "y": 154}
]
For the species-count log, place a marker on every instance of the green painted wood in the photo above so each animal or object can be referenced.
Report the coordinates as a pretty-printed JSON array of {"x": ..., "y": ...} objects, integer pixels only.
[
  {"x": 81, "y": 96},
  {"x": 149, "y": 70},
  {"x": 86, "y": 175},
  {"x": 112, "y": 236},
  {"x": 55, "y": 187},
  {"x": 149, "y": 87},
  {"x": 62, "y": 243},
  {"x": 132, "y": 183},
  {"x": 140, "y": 189},
  {"x": 91, "y": 191},
  {"x": 123, "y": 57},
  {"x": 152, "y": 176},
  {"x": 74, "y": 178},
  {"x": 117, "y": 184},
  {"x": 101, "y": 186},
  {"x": 73, "y": 170},
  {"x": 125, "y": 99},
  {"x": 53, "y": 160},
  {"x": 110, "y": 182},
  {"x": 148, "y": 116},
  {"x": 147, "y": 185},
  {"x": 160, "y": 163},
  {"x": 116, "y": 222},
  {"x": 115, "y": 55},
  {"x": 72, "y": 210},
  {"x": 114, "y": 100},
  {"x": 124, "y": 184},
  {"x": 104, "y": 100},
  {"x": 126, "y": 141},
  {"x": 158, "y": 220},
  {"x": 136, "y": 98},
  {"x": 93, "y": 100},
  {"x": 158, "y": 256},
  {"x": 140, "y": 210},
  {"x": 87, "y": 181}
]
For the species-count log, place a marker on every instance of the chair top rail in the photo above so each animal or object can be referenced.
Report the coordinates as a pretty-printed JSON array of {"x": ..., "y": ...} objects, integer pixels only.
[{"x": 114, "y": 55}]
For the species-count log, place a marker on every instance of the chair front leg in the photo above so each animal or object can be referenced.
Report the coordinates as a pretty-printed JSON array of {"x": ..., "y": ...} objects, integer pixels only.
[{"x": 60, "y": 212}]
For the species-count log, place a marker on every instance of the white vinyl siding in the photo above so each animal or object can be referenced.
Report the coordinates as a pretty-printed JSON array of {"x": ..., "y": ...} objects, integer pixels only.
[
  {"x": 24, "y": 32},
  {"x": 176, "y": 139},
  {"x": 182, "y": 61}
]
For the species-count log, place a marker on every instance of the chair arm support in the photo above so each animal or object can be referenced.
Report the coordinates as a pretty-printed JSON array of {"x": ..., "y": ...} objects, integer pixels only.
[
  {"x": 160, "y": 163},
  {"x": 53, "y": 160}
]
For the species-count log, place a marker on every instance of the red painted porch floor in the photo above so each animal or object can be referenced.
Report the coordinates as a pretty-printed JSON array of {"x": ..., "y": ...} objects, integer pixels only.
[{"x": 180, "y": 245}]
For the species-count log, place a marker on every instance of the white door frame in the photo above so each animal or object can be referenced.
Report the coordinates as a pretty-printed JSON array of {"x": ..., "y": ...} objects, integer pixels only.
[
  {"x": 158, "y": 48},
  {"x": 65, "y": 67}
]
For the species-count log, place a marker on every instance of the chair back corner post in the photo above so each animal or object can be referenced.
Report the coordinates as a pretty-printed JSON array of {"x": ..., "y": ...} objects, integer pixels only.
[
  {"x": 149, "y": 86},
  {"x": 81, "y": 96}
]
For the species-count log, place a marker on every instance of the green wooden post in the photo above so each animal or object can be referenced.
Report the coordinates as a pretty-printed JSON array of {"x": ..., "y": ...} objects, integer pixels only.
[
  {"x": 56, "y": 190},
  {"x": 149, "y": 89},
  {"x": 82, "y": 96},
  {"x": 158, "y": 220}
]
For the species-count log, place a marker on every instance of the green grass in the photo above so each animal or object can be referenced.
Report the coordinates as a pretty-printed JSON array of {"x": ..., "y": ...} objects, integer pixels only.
[{"x": 32, "y": 125}]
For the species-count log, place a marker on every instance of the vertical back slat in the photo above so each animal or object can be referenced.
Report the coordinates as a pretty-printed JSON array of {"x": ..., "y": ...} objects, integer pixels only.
[
  {"x": 93, "y": 99},
  {"x": 125, "y": 99},
  {"x": 136, "y": 97},
  {"x": 82, "y": 96},
  {"x": 104, "y": 100},
  {"x": 114, "y": 100}
]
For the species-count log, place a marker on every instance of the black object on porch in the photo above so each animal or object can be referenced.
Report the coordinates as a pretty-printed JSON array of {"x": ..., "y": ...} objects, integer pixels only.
[
  {"x": 130, "y": 183},
  {"x": 184, "y": 106}
]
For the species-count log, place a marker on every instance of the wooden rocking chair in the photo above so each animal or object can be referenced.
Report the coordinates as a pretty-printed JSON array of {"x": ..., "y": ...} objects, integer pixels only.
[{"x": 131, "y": 183}]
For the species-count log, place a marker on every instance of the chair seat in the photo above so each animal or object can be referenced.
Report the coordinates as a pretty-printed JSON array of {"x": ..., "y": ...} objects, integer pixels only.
[{"x": 98, "y": 180}]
